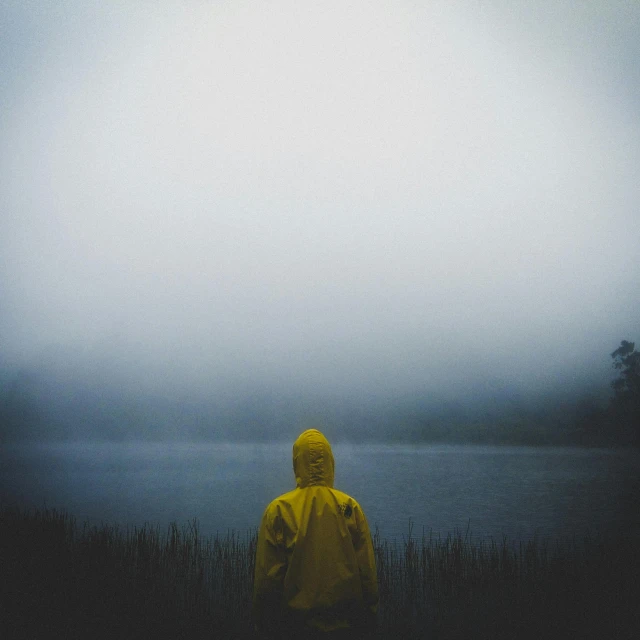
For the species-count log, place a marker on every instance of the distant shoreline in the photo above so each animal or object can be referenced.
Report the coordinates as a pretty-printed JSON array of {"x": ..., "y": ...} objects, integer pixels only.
[{"x": 339, "y": 439}]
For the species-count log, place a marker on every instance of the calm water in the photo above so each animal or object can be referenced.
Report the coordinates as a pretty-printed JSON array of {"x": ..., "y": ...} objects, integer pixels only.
[{"x": 517, "y": 491}]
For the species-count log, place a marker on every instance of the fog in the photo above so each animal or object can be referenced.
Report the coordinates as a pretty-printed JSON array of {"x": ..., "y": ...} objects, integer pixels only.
[{"x": 382, "y": 201}]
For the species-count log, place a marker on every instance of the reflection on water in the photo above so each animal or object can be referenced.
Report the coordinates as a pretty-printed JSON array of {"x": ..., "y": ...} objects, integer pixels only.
[{"x": 491, "y": 491}]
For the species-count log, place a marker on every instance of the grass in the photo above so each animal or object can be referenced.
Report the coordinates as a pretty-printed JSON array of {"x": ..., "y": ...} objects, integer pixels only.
[
  {"x": 458, "y": 588},
  {"x": 63, "y": 580}
]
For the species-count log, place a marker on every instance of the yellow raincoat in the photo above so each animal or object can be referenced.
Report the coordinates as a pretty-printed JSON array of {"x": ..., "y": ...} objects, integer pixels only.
[{"x": 315, "y": 565}]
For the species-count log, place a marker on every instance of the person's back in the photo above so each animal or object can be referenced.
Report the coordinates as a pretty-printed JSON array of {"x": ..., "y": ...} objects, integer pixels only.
[{"x": 315, "y": 565}]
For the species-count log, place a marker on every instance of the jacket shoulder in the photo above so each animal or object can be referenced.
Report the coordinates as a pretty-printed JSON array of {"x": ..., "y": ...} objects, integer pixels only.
[
  {"x": 345, "y": 498},
  {"x": 348, "y": 506},
  {"x": 281, "y": 504},
  {"x": 285, "y": 498}
]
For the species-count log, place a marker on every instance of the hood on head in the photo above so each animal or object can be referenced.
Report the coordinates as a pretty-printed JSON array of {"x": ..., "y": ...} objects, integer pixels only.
[{"x": 313, "y": 460}]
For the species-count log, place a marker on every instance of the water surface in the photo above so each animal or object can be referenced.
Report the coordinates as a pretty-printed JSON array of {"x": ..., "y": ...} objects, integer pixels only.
[{"x": 490, "y": 491}]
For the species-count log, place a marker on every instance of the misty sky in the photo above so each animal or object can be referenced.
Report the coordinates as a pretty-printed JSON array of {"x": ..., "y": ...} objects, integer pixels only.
[{"x": 385, "y": 196}]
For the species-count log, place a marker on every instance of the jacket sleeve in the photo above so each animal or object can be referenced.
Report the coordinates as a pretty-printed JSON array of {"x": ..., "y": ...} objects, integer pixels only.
[
  {"x": 270, "y": 570},
  {"x": 363, "y": 545}
]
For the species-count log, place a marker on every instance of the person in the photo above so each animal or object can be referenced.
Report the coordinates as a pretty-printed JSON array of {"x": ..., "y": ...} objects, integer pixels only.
[{"x": 315, "y": 570}]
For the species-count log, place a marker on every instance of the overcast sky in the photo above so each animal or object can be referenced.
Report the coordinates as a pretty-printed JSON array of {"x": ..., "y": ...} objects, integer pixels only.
[{"x": 320, "y": 195}]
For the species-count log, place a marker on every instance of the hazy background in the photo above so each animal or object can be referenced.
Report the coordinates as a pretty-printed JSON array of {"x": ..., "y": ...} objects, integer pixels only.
[{"x": 223, "y": 218}]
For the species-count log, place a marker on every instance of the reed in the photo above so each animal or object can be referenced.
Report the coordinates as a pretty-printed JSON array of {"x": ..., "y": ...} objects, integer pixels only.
[{"x": 60, "y": 579}]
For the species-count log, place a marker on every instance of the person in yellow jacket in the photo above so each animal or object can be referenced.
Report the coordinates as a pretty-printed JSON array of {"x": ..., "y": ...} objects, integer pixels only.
[{"x": 315, "y": 573}]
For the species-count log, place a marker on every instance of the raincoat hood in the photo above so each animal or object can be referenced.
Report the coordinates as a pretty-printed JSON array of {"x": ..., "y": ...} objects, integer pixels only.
[{"x": 313, "y": 460}]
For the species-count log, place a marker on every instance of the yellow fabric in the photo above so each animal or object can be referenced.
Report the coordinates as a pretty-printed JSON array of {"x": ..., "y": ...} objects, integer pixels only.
[{"x": 314, "y": 560}]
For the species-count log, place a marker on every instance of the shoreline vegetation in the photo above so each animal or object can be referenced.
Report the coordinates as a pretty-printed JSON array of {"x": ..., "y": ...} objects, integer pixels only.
[{"x": 66, "y": 580}]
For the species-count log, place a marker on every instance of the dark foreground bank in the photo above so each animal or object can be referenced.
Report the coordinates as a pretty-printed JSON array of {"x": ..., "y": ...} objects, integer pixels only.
[{"x": 65, "y": 580}]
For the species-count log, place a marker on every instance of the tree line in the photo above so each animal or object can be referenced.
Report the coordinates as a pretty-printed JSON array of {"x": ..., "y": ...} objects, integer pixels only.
[{"x": 625, "y": 403}]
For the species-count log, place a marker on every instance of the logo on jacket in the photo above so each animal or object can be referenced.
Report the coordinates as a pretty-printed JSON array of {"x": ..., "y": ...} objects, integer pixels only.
[{"x": 346, "y": 510}]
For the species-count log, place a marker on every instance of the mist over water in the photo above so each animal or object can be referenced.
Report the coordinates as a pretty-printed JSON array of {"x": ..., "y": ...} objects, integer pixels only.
[{"x": 236, "y": 217}]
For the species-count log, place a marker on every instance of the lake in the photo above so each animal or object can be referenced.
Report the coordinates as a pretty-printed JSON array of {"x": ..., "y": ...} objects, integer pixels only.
[{"x": 490, "y": 491}]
